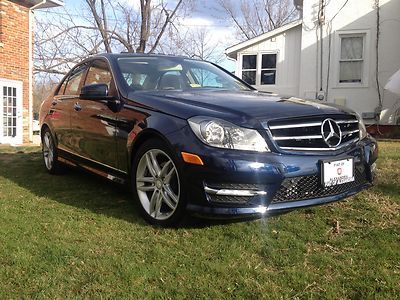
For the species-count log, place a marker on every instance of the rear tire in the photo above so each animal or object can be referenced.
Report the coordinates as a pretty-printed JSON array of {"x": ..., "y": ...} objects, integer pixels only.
[
  {"x": 158, "y": 185},
  {"x": 50, "y": 154}
]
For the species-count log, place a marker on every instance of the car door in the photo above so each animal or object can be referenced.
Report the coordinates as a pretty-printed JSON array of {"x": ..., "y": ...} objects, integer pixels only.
[
  {"x": 132, "y": 117},
  {"x": 61, "y": 107},
  {"x": 93, "y": 121}
]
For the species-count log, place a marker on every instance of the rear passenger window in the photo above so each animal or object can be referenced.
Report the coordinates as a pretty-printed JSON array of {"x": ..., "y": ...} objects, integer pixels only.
[
  {"x": 99, "y": 72},
  {"x": 74, "y": 81}
]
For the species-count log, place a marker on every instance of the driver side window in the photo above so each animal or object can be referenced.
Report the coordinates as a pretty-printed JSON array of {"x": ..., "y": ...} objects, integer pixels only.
[{"x": 171, "y": 80}]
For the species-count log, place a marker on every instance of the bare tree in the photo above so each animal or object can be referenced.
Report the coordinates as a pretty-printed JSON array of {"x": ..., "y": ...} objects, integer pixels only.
[
  {"x": 41, "y": 89},
  {"x": 254, "y": 17},
  {"x": 195, "y": 42},
  {"x": 64, "y": 38}
]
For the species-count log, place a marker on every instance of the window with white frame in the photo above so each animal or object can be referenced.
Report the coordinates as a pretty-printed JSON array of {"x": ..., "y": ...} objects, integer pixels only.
[
  {"x": 268, "y": 69},
  {"x": 249, "y": 68},
  {"x": 259, "y": 69},
  {"x": 351, "y": 60}
]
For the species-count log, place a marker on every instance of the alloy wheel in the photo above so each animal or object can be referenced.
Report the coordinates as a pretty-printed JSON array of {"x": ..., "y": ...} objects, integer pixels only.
[
  {"x": 157, "y": 184},
  {"x": 48, "y": 150}
]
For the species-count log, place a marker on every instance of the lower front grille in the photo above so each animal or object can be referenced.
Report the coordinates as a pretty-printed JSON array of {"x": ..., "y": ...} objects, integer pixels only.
[
  {"x": 230, "y": 199},
  {"x": 308, "y": 187}
]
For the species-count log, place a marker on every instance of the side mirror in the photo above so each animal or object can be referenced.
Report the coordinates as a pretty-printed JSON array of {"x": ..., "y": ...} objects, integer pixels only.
[{"x": 97, "y": 91}]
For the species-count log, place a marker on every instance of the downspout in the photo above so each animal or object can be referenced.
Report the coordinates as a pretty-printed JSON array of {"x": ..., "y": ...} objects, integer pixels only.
[
  {"x": 321, "y": 21},
  {"x": 31, "y": 24},
  {"x": 1, "y": 26},
  {"x": 378, "y": 110}
]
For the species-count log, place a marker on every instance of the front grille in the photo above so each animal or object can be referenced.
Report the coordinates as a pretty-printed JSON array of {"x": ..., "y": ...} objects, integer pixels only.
[
  {"x": 230, "y": 199},
  {"x": 308, "y": 187},
  {"x": 304, "y": 134}
]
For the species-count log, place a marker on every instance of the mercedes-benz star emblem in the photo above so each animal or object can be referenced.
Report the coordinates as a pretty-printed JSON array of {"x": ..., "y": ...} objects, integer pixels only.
[{"x": 331, "y": 133}]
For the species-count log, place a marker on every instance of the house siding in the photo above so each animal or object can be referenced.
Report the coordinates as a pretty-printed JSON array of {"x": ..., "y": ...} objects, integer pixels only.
[
  {"x": 287, "y": 45},
  {"x": 14, "y": 52},
  {"x": 355, "y": 16},
  {"x": 300, "y": 56}
]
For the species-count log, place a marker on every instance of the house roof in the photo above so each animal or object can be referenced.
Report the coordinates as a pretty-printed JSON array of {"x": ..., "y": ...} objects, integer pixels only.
[
  {"x": 35, "y": 4},
  {"x": 231, "y": 51}
]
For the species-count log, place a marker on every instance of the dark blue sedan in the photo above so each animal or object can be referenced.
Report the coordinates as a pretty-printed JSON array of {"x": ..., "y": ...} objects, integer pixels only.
[{"x": 188, "y": 136}]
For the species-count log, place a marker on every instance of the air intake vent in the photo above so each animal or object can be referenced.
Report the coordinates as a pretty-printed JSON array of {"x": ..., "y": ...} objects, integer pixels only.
[
  {"x": 320, "y": 133},
  {"x": 309, "y": 187}
]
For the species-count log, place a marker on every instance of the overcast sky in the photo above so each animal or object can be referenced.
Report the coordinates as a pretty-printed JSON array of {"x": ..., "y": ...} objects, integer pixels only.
[{"x": 206, "y": 14}]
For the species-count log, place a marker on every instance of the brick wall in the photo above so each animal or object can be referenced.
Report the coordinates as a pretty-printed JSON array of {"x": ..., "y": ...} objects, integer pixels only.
[{"x": 14, "y": 51}]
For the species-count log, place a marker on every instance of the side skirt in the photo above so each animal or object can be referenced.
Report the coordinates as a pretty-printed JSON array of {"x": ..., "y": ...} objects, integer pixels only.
[{"x": 93, "y": 167}]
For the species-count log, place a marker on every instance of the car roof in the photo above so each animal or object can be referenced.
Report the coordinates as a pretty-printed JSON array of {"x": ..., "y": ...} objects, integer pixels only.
[{"x": 114, "y": 56}]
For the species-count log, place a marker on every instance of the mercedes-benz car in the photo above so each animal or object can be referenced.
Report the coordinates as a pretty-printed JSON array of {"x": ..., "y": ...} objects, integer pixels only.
[{"x": 190, "y": 137}]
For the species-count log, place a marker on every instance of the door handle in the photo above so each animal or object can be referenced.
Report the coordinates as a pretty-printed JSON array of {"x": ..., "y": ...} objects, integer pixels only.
[{"x": 77, "y": 106}]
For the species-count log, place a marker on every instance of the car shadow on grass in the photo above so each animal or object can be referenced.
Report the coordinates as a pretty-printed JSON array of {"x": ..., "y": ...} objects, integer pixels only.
[
  {"x": 75, "y": 188},
  {"x": 82, "y": 189}
]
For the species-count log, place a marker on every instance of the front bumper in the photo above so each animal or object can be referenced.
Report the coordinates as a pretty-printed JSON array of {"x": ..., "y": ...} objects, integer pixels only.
[{"x": 238, "y": 183}]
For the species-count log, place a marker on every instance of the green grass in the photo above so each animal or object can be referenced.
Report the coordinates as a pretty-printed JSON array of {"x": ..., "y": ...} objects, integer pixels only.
[{"x": 77, "y": 236}]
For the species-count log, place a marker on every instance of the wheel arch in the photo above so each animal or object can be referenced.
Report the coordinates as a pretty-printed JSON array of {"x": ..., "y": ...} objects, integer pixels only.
[
  {"x": 142, "y": 137},
  {"x": 47, "y": 126},
  {"x": 43, "y": 128}
]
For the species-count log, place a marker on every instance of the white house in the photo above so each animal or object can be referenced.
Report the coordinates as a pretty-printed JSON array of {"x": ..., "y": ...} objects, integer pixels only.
[{"x": 339, "y": 51}]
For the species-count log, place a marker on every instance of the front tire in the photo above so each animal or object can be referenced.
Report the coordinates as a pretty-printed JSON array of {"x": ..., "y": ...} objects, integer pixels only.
[{"x": 158, "y": 185}]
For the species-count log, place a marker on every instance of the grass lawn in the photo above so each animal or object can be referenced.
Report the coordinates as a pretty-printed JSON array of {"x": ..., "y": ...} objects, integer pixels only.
[{"x": 76, "y": 235}]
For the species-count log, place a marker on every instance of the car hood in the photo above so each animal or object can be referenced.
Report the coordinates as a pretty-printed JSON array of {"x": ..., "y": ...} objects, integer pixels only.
[{"x": 248, "y": 109}]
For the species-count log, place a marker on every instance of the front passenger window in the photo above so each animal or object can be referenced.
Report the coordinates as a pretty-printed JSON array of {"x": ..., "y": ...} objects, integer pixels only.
[
  {"x": 99, "y": 73},
  {"x": 74, "y": 81}
]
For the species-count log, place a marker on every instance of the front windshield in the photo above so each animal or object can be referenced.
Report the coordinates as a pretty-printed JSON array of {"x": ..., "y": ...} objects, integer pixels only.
[{"x": 175, "y": 73}]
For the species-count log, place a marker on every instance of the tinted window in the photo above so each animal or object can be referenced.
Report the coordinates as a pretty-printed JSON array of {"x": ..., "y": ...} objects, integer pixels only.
[
  {"x": 74, "y": 80},
  {"x": 99, "y": 72}
]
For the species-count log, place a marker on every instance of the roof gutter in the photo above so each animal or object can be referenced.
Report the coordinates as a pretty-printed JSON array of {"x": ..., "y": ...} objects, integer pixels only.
[
  {"x": 1, "y": 25},
  {"x": 39, "y": 4}
]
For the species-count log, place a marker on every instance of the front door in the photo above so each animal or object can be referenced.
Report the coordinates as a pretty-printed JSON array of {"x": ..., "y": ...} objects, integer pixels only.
[
  {"x": 93, "y": 122},
  {"x": 10, "y": 112}
]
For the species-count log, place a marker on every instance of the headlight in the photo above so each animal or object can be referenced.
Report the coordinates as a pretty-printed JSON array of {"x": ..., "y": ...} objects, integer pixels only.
[
  {"x": 361, "y": 127},
  {"x": 222, "y": 134}
]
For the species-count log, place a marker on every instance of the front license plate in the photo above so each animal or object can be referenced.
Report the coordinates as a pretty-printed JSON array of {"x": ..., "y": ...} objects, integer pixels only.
[{"x": 337, "y": 172}]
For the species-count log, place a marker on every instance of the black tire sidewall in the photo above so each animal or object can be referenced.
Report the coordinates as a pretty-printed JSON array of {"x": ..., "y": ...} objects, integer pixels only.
[
  {"x": 56, "y": 167},
  {"x": 179, "y": 212}
]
